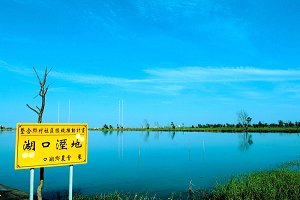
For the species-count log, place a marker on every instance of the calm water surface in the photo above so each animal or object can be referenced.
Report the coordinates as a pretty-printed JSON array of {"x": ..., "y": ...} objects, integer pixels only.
[{"x": 157, "y": 162}]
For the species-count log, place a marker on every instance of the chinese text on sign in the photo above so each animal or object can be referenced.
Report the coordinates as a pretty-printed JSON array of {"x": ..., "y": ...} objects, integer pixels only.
[{"x": 47, "y": 145}]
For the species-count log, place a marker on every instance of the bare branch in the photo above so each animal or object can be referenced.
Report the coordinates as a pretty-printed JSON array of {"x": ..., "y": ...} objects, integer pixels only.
[
  {"x": 47, "y": 88},
  {"x": 33, "y": 109},
  {"x": 40, "y": 111},
  {"x": 242, "y": 116},
  {"x": 38, "y": 76},
  {"x": 45, "y": 76},
  {"x": 50, "y": 84},
  {"x": 38, "y": 108},
  {"x": 49, "y": 70}
]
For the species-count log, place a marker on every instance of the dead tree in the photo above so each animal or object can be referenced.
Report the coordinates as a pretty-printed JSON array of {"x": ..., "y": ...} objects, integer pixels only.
[
  {"x": 244, "y": 118},
  {"x": 40, "y": 112}
]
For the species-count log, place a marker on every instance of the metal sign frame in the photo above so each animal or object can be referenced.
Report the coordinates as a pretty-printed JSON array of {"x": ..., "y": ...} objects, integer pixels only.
[{"x": 50, "y": 144}]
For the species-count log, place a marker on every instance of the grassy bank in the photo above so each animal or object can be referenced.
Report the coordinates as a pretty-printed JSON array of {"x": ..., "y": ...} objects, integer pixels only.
[
  {"x": 212, "y": 129},
  {"x": 280, "y": 183}
]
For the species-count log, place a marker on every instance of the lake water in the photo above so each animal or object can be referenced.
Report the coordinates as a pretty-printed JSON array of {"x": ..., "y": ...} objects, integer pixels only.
[{"x": 156, "y": 162}]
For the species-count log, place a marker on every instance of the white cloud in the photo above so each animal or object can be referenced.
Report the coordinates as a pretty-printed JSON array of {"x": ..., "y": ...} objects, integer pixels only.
[
  {"x": 242, "y": 80},
  {"x": 15, "y": 69},
  {"x": 95, "y": 79},
  {"x": 224, "y": 74},
  {"x": 174, "y": 81},
  {"x": 289, "y": 87}
]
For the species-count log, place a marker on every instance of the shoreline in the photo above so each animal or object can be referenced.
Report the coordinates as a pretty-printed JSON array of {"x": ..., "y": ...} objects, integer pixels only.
[
  {"x": 11, "y": 193},
  {"x": 222, "y": 130},
  {"x": 188, "y": 129}
]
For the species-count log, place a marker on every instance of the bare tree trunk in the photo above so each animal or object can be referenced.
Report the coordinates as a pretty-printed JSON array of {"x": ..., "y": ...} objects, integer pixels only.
[
  {"x": 40, "y": 112},
  {"x": 40, "y": 187}
]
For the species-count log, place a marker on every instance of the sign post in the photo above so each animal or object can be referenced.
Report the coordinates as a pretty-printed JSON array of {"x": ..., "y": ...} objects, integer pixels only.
[
  {"x": 48, "y": 145},
  {"x": 71, "y": 182},
  {"x": 31, "y": 183}
]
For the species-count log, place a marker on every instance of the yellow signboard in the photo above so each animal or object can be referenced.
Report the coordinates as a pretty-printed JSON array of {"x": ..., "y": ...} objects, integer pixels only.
[{"x": 47, "y": 145}]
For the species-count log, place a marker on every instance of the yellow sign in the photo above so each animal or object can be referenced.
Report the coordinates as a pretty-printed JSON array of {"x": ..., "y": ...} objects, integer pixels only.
[{"x": 47, "y": 145}]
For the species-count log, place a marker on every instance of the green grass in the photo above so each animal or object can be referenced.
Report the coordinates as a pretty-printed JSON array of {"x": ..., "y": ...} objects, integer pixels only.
[
  {"x": 274, "y": 184},
  {"x": 279, "y": 183},
  {"x": 111, "y": 196}
]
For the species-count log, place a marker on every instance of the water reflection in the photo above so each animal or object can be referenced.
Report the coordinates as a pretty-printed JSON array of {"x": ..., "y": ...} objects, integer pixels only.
[
  {"x": 156, "y": 135},
  {"x": 189, "y": 150},
  {"x": 173, "y": 160},
  {"x": 173, "y": 135},
  {"x": 147, "y": 136},
  {"x": 139, "y": 154},
  {"x": 106, "y": 132},
  {"x": 246, "y": 141},
  {"x": 203, "y": 152},
  {"x": 120, "y": 143}
]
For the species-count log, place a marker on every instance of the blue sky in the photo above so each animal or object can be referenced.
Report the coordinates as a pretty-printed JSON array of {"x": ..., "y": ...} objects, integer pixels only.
[{"x": 175, "y": 61}]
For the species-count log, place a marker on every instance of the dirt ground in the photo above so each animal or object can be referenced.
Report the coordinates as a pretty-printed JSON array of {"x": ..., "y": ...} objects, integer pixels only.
[{"x": 7, "y": 193}]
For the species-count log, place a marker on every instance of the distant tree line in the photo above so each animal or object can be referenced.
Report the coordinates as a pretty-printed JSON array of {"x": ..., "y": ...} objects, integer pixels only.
[
  {"x": 258, "y": 125},
  {"x": 2, "y": 128},
  {"x": 227, "y": 125},
  {"x": 105, "y": 126}
]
